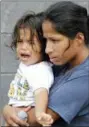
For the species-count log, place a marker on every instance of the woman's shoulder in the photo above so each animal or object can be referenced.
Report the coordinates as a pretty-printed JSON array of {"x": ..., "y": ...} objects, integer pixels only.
[{"x": 81, "y": 70}]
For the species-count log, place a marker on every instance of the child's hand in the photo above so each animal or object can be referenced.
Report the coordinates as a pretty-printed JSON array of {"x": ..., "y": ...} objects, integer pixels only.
[{"x": 45, "y": 119}]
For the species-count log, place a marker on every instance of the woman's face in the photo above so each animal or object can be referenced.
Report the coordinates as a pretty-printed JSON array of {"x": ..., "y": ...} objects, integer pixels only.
[{"x": 61, "y": 49}]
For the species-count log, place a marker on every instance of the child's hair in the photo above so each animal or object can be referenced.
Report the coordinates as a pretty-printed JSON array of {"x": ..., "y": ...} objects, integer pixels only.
[{"x": 34, "y": 23}]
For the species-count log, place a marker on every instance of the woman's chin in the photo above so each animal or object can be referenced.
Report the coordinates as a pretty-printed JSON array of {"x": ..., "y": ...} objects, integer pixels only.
[{"x": 56, "y": 62}]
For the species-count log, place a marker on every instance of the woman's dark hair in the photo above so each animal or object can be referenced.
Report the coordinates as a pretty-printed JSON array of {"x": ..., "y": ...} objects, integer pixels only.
[
  {"x": 33, "y": 22},
  {"x": 69, "y": 18}
]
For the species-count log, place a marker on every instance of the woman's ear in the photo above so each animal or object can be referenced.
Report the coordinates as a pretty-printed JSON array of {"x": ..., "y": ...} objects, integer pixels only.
[{"x": 80, "y": 38}]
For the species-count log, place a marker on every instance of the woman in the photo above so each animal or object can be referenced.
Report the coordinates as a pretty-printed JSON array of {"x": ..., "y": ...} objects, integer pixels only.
[{"x": 65, "y": 27}]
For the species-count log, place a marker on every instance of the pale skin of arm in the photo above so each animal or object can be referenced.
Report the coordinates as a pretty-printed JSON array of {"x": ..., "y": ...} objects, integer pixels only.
[
  {"x": 41, "y": 102},
  {"x": 12, "y": 120},
  {"x": 32, "y": 118}
]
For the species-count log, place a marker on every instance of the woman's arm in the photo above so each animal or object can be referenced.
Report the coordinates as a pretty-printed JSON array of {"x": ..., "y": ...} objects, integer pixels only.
[{"x": 12, "y": 120}]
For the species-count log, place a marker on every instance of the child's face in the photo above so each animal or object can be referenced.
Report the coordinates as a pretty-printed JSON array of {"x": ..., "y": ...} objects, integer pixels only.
[{"x": 28, "y": 53}]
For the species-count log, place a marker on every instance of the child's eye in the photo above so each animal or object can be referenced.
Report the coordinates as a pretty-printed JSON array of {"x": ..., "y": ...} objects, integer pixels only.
[{"x": 30, "y": 42}]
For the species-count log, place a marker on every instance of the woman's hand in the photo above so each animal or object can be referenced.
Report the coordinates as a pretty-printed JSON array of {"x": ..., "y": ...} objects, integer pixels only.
[{"x": 11, "y": 118}]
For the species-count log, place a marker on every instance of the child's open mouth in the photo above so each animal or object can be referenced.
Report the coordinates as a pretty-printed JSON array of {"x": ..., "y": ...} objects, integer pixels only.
[{"x": 25, "y": 55}]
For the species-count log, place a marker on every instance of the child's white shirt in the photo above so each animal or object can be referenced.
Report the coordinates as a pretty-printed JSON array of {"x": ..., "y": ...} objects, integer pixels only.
[{"x": 27, "y": 80}]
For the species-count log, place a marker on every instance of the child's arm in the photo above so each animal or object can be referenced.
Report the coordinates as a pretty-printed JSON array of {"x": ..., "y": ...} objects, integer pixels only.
[{"x": 41, "y": 101}]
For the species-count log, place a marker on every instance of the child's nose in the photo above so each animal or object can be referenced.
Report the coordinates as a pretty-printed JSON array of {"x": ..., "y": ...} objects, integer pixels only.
[{"x": 24, "y": 45}]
